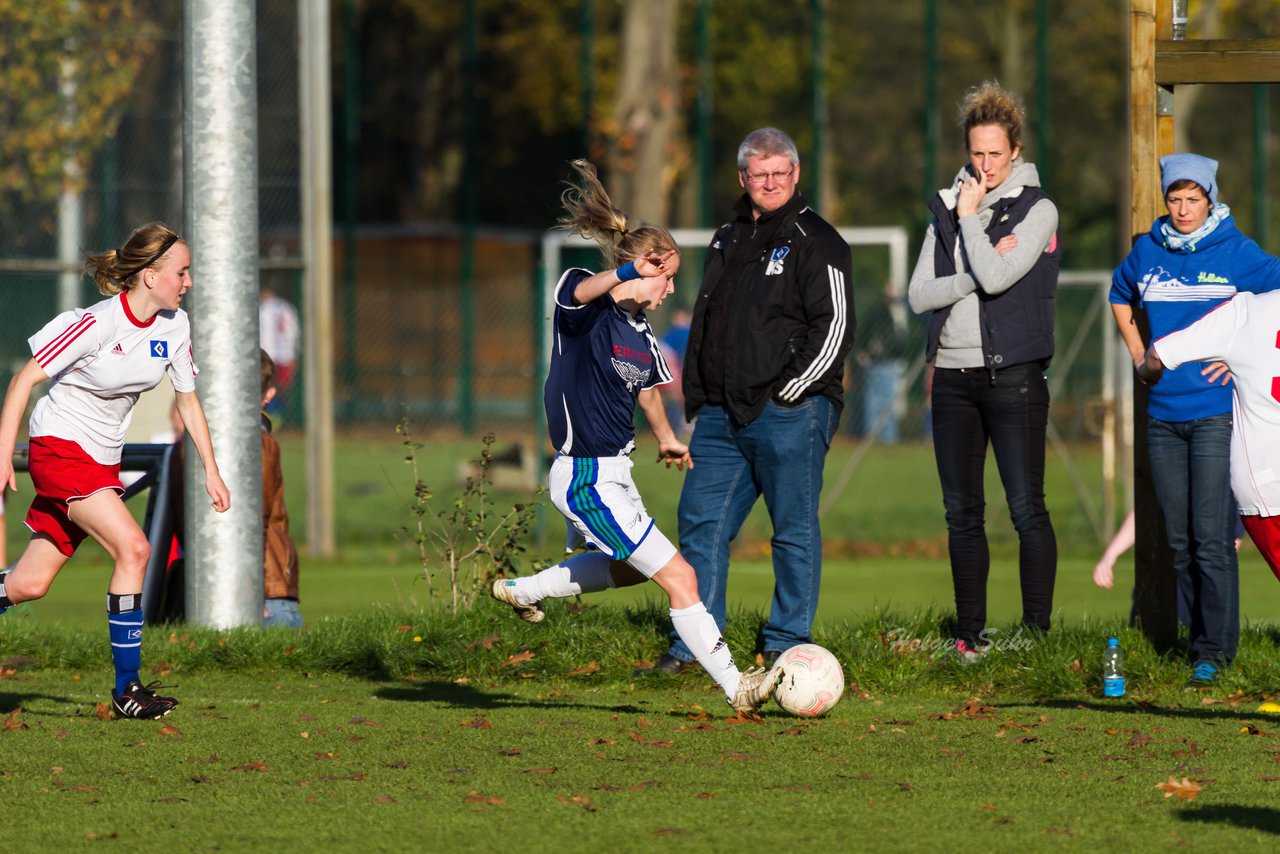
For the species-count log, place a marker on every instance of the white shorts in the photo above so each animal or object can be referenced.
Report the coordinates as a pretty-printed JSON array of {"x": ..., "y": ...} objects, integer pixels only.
[{"x": 603, "y": 507}]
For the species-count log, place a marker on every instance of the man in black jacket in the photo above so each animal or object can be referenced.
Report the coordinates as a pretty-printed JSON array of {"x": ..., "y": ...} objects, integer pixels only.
[{"x": 771, "y": 327}]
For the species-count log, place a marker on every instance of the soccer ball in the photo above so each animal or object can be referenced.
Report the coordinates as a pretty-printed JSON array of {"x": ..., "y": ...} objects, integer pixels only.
[{"x": 811, "y": 682}]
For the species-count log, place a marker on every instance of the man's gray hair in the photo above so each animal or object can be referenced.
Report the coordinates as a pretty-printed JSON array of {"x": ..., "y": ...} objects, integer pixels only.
[{"x": 767, "y": 142}]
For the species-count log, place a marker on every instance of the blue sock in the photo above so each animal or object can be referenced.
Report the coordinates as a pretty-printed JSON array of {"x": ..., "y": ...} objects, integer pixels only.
[{"x": 124, "y": 619}]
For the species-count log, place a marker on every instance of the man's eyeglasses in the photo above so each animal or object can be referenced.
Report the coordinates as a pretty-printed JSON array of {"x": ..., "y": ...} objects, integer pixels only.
[{"x": 778, "y": 177}]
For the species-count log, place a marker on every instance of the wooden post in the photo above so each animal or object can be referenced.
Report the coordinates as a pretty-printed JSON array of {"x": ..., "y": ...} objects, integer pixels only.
[
  {"x": 1156, "y": 64},
  {"x": 1155, "y": 605}
]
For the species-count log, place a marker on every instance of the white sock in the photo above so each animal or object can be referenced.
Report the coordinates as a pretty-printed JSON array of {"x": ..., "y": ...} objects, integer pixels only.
[
  {"x": 697, "y": 628},
  {"x": 584, "y": 573}
]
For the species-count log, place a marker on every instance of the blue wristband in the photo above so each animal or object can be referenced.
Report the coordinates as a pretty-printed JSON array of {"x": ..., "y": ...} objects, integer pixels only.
[{"x": 627, "y": 272}]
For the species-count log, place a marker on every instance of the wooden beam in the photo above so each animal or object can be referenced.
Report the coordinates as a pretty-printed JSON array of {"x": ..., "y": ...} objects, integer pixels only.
[{"x": 1218, "y": 61}]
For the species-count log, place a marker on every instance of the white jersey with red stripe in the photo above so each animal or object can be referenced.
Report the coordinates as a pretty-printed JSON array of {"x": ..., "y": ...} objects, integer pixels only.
[
  {"x": 101, "y": 359},
  {"x": 1244, "y": 332}
]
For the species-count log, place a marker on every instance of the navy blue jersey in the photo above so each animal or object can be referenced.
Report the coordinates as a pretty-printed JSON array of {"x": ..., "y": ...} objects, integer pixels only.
[{"x": 601, "y": 359}]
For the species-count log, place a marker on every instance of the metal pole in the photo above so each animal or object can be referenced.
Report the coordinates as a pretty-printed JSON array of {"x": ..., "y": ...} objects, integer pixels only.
[
  {"x": 1261, "y": 163},
  {"x": 587, "y": 71},
  {"x": 466, "y": 390},
  {"x": 317, "y": 254},
  {"x": 1042, "y": 92},
  {"x": 350, "y": 193},
  {"x": 819, "y": 23},
  {"x": 931, "y": 131},
  {"x": 706, "y": 101},
  {"x": 224, "y": 566},
  {"x": 70, "y": 203}
]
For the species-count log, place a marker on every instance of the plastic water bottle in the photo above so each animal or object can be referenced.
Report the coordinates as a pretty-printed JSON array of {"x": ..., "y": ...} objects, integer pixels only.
[{"x": 1113, "y": 669}]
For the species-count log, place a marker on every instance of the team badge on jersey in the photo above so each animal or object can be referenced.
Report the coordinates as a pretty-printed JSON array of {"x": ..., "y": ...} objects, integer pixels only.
[
  {"x": 775, "y": 261},
  {"x": 631, "y": 373},
  {"x": 159, "y": 349}
]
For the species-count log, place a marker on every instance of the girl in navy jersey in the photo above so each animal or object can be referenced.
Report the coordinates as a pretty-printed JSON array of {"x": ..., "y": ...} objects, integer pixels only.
[
  {"x": 604, "y": 361},
  {"x": 101, "y": 359}
]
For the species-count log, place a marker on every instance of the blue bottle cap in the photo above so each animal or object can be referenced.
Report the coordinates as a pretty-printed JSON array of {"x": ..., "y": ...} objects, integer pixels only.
[{"x": 1113, "y": 641}]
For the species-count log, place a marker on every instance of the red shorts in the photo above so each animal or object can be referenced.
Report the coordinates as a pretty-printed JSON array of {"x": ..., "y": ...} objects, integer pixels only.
[
  {"x": 62, "y": 472},
  {"x": 1265, "y": 533}
]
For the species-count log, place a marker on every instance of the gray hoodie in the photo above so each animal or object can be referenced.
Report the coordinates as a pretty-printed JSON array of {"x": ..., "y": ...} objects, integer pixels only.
[{"x": 983, "y": 267}]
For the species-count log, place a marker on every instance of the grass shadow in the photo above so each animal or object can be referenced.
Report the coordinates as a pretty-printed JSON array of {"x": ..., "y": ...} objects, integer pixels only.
[
  {"x": 467, "y": 697},
  {"x": 1199, "y": 713},
  {"x": 1265, "y": 819},
  {"x": 11, "y": 700}
]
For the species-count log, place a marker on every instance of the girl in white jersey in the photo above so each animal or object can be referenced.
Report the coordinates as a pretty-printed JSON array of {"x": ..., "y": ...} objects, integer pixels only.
[
  {"x": 100, "y": 360},
  {"x": 604, "y": 363}
]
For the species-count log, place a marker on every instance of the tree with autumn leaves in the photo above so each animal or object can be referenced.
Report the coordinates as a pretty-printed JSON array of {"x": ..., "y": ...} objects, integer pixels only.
[{"x": 67, "y": 70}]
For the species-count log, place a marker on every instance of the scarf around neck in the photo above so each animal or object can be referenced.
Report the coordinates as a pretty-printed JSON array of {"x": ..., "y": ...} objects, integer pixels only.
[{"x": 1176, "y": 241}]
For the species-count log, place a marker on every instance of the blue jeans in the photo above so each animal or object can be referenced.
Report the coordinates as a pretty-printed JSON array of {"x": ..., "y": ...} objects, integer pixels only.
[
  {"x": 281, "y": 614},
  {"x": 1012, "y": 413},
  {"x": 780, "y": 456},
  {"x": 879, "y": 400},
  {"x": 1191, "y": 473}
]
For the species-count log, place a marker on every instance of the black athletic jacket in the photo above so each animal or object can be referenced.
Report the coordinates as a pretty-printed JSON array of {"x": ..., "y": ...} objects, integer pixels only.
[{"x": 791, "y": 320}]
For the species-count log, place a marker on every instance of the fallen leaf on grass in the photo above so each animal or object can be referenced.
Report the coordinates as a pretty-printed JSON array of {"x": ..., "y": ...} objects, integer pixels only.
[
  {"x": 250, "y": 766},
  {"x": 399, "y": 763},
  {"x": 170, "y": 729},
  {"x": 160, "y": 669},
  {"x": 1193, "y": 750},
  {"x": 539, "y": 771},
  {"x": 477, "y": 723},
  {"x": 479, "y": 798},
  {"x": 510, "y": 751},
  {"x": 1184, "y": 789},
  {"x": 363, "y": 722},
  {"x": 667, "y": 831},
  {"x": 642, "y": 664},
  {"x": 485, "y": 643},
  {"x": 328, "y": 754},
  {"x": 705, "y": 796},
  {"x": 744, "y": 718},
  {"x": 576, "y": 801},
  {"x": 651, "y": 742},
  {"x": 595, "y": 741},
  {"x": 93, "y": 836},
  {"x": 701, "y": 727},
  {"x": 14, "y": 721},
  {"x": 518, "y": 658},
  {"x": 384, "y": 799},
  {"x": 585, "y": 670},
  {"x": 6, "y": 672},
  {"x": 794, "y": 731}
]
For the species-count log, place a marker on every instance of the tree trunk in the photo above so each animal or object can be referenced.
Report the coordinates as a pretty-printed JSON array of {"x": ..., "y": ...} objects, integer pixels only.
[{"x": 642, "y": 167}]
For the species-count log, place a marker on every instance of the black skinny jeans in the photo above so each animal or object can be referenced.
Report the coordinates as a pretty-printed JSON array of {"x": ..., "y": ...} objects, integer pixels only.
[{"x": 1012, "y": 413}]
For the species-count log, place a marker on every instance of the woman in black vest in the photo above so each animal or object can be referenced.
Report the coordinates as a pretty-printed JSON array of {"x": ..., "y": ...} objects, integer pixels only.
[{"x": 987, "y": 272}]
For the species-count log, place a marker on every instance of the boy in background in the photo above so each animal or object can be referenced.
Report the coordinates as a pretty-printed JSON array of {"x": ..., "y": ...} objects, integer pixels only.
[{"x": 280, "y": 555}]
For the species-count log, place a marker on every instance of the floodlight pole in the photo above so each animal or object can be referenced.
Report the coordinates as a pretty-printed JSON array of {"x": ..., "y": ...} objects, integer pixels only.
[
  {"x": 317, "y": 253},
  {"x": 220, "y": 122}
]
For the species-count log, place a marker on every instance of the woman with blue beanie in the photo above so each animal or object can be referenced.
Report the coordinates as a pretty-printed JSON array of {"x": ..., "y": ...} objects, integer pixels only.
[{"x": 1193, "y": 260}]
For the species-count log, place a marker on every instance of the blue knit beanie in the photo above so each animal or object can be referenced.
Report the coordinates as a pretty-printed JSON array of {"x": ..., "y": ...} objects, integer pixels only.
[{"x": 1190, "y": 167}]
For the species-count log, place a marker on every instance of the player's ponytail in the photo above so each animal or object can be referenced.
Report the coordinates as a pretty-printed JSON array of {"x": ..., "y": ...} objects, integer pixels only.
[
  {"x": 116, "y": 270},
  {"x": 590, "y": 213}
]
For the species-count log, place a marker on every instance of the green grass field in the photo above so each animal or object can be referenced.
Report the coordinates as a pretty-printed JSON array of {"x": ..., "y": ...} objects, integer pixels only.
[{"x": 387, "y": 725}]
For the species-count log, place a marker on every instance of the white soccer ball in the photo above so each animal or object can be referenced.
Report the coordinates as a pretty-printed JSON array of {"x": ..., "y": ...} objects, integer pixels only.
[{"x": 811, "y": 682}]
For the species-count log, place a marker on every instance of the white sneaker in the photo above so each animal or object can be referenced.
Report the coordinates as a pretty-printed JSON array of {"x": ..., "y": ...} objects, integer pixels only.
[
  {"x": 754, "y": 688},
  {"x": 504, "y": 590}
]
